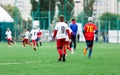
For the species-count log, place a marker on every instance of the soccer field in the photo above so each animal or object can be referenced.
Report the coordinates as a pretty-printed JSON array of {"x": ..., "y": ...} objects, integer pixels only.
[{"x": 17, "y": 60}]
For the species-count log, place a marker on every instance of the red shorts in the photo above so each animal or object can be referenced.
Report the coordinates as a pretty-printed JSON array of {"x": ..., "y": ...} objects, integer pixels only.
[
  {"x": 67, "y": 42},
  {"x": 60, "y": 42},
  {"x": 9, "y": 39},
  {"x": 25, "y": 40},
  {"x": 34, "y": 43}
]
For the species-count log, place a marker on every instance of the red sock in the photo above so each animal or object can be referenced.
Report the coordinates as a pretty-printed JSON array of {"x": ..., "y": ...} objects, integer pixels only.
[
  {"x": 9, "y": 43},
  {"x": 23, "y": 43},
  {"x": 60, "y": 53},
  {"x": 69, "y": 48},
  {"x": 64, "y": 51}
]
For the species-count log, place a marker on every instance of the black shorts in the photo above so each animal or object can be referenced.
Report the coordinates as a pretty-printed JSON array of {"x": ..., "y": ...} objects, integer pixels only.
[
  {"x": 89, "y": 43},
  {"x": 38, "y": 39}
]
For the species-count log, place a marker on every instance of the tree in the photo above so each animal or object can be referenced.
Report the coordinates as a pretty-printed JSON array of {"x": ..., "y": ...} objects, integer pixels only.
[
  {"x": 88, "y": 7},
  {"x": 111, "y": 19},
  {"x": 46, "y": 5},
  {"x": 49, "y": 5}
]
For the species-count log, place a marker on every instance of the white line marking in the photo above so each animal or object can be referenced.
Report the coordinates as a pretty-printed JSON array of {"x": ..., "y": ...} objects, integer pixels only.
[{"x": 19, "y": 63}]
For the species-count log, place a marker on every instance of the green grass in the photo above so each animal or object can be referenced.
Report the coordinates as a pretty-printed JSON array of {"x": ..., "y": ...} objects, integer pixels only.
[{"x": 24, "y": 61}]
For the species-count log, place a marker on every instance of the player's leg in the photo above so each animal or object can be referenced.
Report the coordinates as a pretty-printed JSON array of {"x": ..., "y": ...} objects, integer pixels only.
[
  {"x": 12, "y": 41},
  {"x": 40, "y": 42},
  {"x": 74, "y": 41},
  {"x": 90, "y": 50},
  {"x": 63, "y": 45},
  {"x": 8, "y": 41},
  {"x": 64, "y": 50},
  {"x": 68, "y": 47},
  {"x": 27, "y": 42},
  {"x": 23, "y": 42},
  {"x": 37, "y": 40},
  {"x": 87, "y": 46},
  {"x": 34, "y": 44},
  {"x": 59, "y": 49}
]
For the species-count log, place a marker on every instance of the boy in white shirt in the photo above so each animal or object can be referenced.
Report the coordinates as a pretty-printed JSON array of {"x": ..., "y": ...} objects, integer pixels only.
[
  {"x": 33, "y": 33},
  {"x": 8, "y": 34},
  {"x": 60, "y": 31},
  {"x": 26, "y": 38}
]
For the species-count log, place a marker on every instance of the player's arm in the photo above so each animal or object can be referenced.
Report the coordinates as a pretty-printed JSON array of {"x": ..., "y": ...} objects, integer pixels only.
[
  {"x": 68, "y": 32},
  {"x": 84, "y": 29},
  {"x": 55, "y": 33},
  {"x": 96, "y": 30}
]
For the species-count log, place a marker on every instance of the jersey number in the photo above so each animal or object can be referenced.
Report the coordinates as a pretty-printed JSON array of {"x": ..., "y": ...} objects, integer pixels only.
[
  {"x": 63, "y": 29},
  {"x": 34, "y": 33},
  {"x": 90, "y": 29}
]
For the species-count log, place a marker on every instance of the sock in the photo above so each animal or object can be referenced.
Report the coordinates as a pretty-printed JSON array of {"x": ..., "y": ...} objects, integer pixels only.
[
  {"x": 37, "y": 44},
  {"x": 69, "y": 48},
  {"x": 60, "y": 53},
  {"x": 28, "y": 43},
  {"x": 23, "y": 43},
  {"x": 8, "y": 43},
  {"x": 40, "y": 43},
  {"x": 65, "y": 50},
  {"x": 12, "y": 41},
  {"x": 90, "y": 52}
]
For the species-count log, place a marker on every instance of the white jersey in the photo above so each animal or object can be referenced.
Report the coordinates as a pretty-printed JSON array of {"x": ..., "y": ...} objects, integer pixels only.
[
  {"x": 27, "y": 35},
  {"x": 61, "y": 28},
  {"x": 9, "y": 34},
  {"x": 34, "y": 34},
  {"x": 67, "y": 38}
]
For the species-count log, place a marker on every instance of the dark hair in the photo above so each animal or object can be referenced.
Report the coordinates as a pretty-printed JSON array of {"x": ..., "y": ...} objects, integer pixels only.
[{"x": 73, "y": 19}]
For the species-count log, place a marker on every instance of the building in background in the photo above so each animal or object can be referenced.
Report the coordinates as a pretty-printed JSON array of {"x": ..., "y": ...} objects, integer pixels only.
[
  {"x": 102, "y": 6},
  {"x": 78, "y": 7}
]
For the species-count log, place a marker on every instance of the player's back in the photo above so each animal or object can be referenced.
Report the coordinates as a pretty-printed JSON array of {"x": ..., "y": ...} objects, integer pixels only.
[
  {"x": 61, "y": 28},
  {"x": 89, "y": 29},
  {"x": 27, "y": 34},
  {"x": 34, "y": 34}
]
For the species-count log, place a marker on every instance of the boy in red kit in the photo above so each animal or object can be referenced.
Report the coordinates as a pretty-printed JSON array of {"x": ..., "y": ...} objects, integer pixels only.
[
  {"x": 25, "y": 38},
  {"x": 60, "y": 31},
  {"x": 68, "y": 41},
  {"x": 89, "y": 30}
]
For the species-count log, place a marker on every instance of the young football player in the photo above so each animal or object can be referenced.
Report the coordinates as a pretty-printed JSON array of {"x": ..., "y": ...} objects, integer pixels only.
[
  {"x": 38, "y": 40},
  {"x": 67, "y": 42},
  {"x": 89, "y": 30},
  {"x": 26, "y": 38},
  {"x": 60, "y": 31},
  {"x": 8, "y": 34},
  {"x": 33, "y": 34}
]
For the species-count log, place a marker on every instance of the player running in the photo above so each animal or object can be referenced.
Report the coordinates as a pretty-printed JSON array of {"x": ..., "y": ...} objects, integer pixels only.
[
  {"x": 8, "y": 34},
  {"x": 67, "y": 42},
  {"x": 25, "y": 38},
  {"x": 60, "y": 31},
  {"x": 89, "y": 30},
  {"x": 33, "y": 34},
  {"x": 38, "y": 40}
]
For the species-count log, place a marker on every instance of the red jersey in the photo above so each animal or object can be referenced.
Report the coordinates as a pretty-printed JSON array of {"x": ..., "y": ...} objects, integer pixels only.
[
  {"x": 39, "y": 34},
  {"x": 89, "y": 30}
]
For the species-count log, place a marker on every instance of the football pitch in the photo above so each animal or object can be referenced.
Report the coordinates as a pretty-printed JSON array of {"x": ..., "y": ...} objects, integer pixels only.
[{"x": 17, "y": 60}]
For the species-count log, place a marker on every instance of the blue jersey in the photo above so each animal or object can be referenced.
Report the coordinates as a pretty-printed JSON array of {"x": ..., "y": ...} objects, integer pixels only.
[{"x": 74, "y": 28}]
